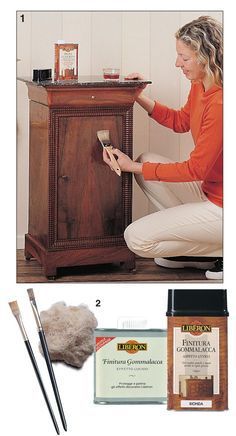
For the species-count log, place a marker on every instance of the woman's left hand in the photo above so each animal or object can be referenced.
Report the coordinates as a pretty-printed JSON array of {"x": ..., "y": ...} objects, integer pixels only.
[{"x": 126, "y": 164}]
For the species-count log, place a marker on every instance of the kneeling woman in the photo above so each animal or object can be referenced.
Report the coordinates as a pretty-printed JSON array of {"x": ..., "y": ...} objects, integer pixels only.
[{"x": 187, "y": 229}]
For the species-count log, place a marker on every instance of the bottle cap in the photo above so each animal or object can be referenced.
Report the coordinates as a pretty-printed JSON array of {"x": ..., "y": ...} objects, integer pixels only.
[
  {"x": 199, "y": 302},
  {"x": 131, "y": 323}
]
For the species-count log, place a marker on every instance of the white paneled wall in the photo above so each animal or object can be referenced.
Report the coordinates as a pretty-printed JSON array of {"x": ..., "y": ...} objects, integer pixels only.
[
  {"x": 46, "y": 28},
  {"x": 106, "y": 40},
  {"x": 23, "y": 69},
  {"x": 132, "y": 41},
  {"x": 165, "y": 78},
  {"x": 136, "y": 58},
  {"x": 76, "y": 27}
]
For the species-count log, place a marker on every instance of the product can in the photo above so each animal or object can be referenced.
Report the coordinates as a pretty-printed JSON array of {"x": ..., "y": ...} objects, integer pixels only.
[
  {"x": 130, "y": 366},
  {"x": 197, "y": 349}
]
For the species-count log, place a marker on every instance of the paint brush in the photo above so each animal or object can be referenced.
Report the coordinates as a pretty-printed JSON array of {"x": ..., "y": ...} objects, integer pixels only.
[
  {"x": 104, "y": 138},
  {"x": 47, "y": 356},
  {"x": 16, "y": 312}
]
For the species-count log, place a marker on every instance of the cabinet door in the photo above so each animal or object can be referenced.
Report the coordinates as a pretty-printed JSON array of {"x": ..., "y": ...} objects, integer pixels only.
[{"x": 93, "y": 204}]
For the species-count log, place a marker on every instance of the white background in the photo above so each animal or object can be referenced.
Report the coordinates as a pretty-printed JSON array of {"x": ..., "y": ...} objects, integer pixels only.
[{"x": 23, "y": 411}]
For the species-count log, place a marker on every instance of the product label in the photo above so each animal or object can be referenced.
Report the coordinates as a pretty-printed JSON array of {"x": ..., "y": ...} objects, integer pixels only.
[
  {"x": 67, "y": 61},
  {"x": 196, "y": 404},
  {"x": 196, "y": 363},
  {"x": 131, "y": 367}
]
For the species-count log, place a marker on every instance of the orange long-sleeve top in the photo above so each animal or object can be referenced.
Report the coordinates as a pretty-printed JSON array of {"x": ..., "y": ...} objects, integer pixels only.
[{"x": 203, "y": 115}]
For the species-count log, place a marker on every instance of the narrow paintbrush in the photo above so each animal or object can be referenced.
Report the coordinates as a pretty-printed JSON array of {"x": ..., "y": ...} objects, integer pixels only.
[
  {"x": 104, "y": 138},
  {"x": 16, "y": 312},
  {"x": 47, "y": 356}
]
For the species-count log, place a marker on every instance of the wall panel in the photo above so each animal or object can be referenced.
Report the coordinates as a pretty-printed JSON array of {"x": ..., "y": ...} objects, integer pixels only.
[
  {"x": 76, "y": 27},
  {"x": 46, "y": 30},
  {"x": 22, "y": 146},
  {"x": 165, "y": 79},
  {"x": 106, "y": 40},
  {"x": 136, "y": 58}
]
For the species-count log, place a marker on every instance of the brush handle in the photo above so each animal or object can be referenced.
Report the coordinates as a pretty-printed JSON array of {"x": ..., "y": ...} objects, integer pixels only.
[
  {"x": 52, "y": 377},
  {"x": 114, "y": 162},
  {"x": 36, "y": 369}
]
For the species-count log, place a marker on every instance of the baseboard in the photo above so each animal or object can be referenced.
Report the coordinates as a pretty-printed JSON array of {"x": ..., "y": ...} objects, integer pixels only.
[{"x": 20, "y": 242}]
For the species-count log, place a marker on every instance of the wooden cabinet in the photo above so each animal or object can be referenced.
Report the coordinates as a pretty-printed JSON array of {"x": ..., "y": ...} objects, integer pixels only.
[
  {"x": 78, "y": 207},
  {"x": 199, "y": 388}
]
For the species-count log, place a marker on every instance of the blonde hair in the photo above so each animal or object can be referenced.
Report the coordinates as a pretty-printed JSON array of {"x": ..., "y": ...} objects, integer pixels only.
[{"x": 205, "y": 36}]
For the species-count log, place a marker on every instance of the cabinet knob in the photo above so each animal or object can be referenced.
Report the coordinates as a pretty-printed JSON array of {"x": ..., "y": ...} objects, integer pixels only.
[{"x": 93, "y": 96}]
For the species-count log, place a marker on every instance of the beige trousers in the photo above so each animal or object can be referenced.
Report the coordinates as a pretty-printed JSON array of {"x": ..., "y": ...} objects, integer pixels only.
[{"x": 186, "y": 224}]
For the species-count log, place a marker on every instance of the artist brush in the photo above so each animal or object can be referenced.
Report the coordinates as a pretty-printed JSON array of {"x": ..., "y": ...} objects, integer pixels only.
[
  {"x": 16, "y": 312},
  {"x": 104, "y": 138},
  {"x": 47, "y": 356}
]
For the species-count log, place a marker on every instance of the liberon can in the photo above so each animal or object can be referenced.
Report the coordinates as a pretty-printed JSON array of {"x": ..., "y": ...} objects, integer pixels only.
[
  {"x": 130, "y": 366},
  {"x": 197, "y": 349}
]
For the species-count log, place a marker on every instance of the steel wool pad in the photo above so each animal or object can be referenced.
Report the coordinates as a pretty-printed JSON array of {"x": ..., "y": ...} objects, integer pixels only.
[{"x": 69, "y": 332}]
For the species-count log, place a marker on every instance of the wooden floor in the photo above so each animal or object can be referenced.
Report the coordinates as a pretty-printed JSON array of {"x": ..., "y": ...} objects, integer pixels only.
[{"x": 146, "y": 271}]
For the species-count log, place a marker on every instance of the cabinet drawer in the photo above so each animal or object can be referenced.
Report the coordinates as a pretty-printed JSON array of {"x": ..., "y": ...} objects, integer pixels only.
[{"x": 90, "y": 97}]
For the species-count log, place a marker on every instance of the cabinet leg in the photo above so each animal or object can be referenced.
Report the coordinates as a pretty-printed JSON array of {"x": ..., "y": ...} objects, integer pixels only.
[
  {"x": 50, "y": 272},
  {"x": 27, "y": 255},
  {"x": 129, "y": 265}
]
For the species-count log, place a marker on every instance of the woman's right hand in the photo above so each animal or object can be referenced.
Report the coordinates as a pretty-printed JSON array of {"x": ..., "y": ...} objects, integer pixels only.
[{"x": 125, "y": 163}]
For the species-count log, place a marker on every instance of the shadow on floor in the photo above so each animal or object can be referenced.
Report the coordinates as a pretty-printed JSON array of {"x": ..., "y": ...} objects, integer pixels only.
[{"x": 146, "y": 271}]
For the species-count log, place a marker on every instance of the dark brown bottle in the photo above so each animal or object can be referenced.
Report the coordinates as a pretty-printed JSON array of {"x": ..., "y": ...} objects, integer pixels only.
[{"x": 197, "y": 349}]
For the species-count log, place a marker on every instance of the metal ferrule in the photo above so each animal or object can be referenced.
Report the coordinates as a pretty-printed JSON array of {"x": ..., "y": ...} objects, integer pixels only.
[
  {"x": 22, "y": 328},
  {"x": 36, "y": 315}
]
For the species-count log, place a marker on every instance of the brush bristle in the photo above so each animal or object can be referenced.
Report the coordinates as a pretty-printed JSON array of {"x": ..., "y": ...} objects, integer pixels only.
[
  {"x": 31, "y": 294},
  {"x": 14, "y": 307},
  {"x": 103, "y": 135}
]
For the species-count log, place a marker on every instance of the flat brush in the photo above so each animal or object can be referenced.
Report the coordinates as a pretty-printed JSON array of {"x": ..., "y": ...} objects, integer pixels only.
[
  {"x": 47, "y": 356},
  {"x": 16, "y": 312},
  {"x": 104, "y": 138}
]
